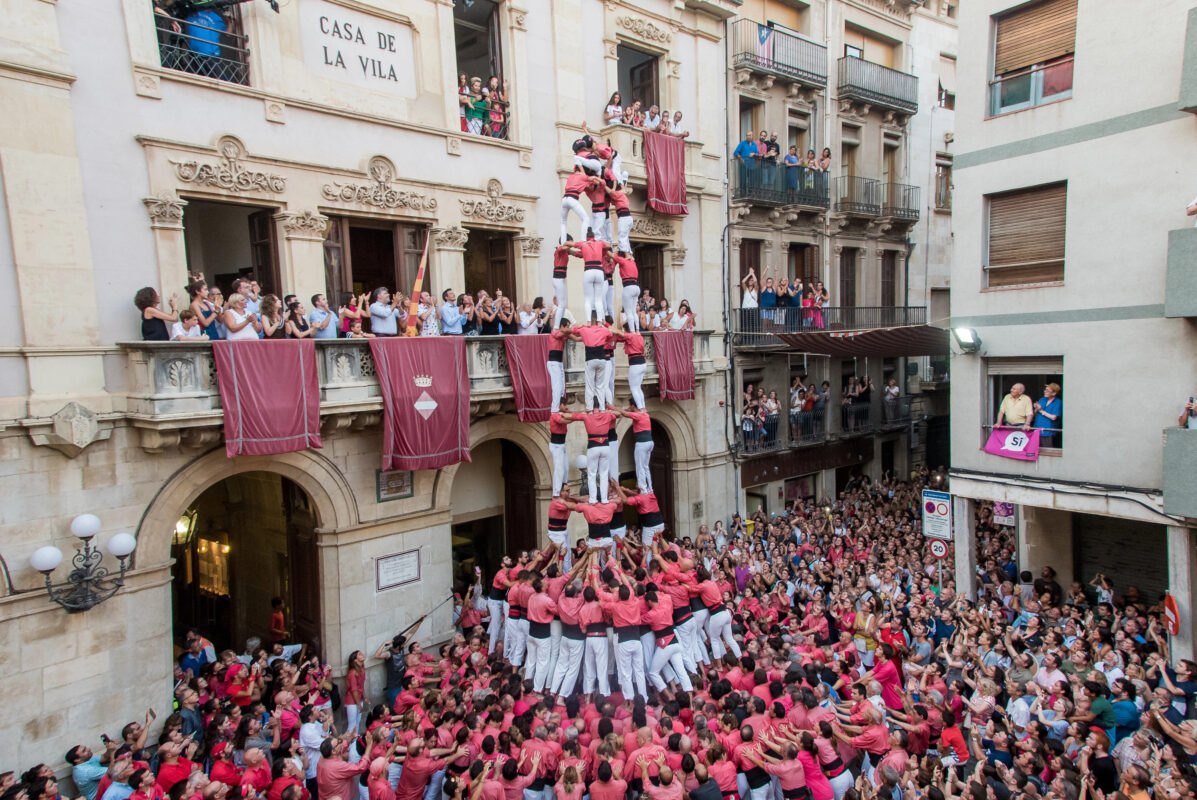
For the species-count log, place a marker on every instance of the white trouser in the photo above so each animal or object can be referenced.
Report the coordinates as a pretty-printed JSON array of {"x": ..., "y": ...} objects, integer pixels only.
[
  {"x": 613, "y": 459},
  {"x": 609, "y": 301},
  {"x": 561, "y": 539},
  {"x": 559, "y": 456},
  {"x": 569, "y": 664},
  {"x": 648, "y": 534},
  {"x": 600, "y": 223},
  {"x": 495, "y": 627},
  {"x": 515, "y": 641},
  {"x": 562, "y": 301},
  {"x": 597, "y": 472},
  {"x": 554, "y": 649},
  {"x": 592, "y": 163},
  {"x": 610, "y": 384},
  {"x": 642, "y": 454},
  {"x": 636, "y": 381},
  {"x": 569, "y": 204},
  {"x": 670, "y": 655},
  {"x": 686, "y": 633},
  {"x": 700, "y": 636},
  {"x": 594, "y": 287},
  {"x": 648, "y": 646},
  {"x": 617, "y": 167},
  {"x": 353, "y": 718},
  {"x": 596, "y": 383},
  {"x": 629, "y": 662},
  {"x": 624, "y": 233},
  {"x": 719, "y": 629},
  {"x": 629, "y": 299},
  {"x": 841, "y": 783},
  {"x": 596, "y": 665},
  {"x": 540, "y": 653}
]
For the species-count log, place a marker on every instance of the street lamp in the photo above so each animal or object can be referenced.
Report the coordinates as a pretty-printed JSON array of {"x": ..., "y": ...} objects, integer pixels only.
[
  {"x": 581, "y": 463},
  {"x": 967, "y": 339},
  {"x": 88, "y": 584}
]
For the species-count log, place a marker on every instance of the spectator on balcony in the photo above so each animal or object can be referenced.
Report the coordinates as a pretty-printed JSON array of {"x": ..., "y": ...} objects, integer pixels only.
[
  {"x": 187, "y": 329},
  {"x": 528, "y": 320},
  {"x": 1015, "y": 410},
  {"x": 355, "y": 330},
  {"x": 154, "y": 319},
  {"x": 427, "y": 315},
  {"x": 632, "y": 115},
  {"x": 270, "y": 314},
  {"x": 351, "y": 308},
  {"x": 746, "y": 151},
  {"x": 1188, "y": 415},
  {"x": 792, "y": 162},
  {"x": 865, "y": 398},
  {"x": 768, "y": 299},
  {"x": 891, "y": 399},
  {"x": 469, "y": 315},
  {"x": 664, "y": 316},
  {"x": 683, "y": 318},
  {"x": 488, "y": 315},
  {"x": 825, "y": 160},
  {"x": 322, "y": 318},
  {"x": 216, "y": 298},
  {"x": 204, "y": 29},
  {"x": 506, "y": 313},
  {"x": 797, "y": 407},
  {"x": 240, "y": 324},
  {"x": 675, "y": 126},
  {"x": 450, "y": 313},
  {"x": 1049, "y": 414},
  {"x": 772, "y": 416},
  {"x": 613, "y": 113},
  {"x": 497, "y": 98},
  {"x": 750, "y": 302},
  {"x": 748, "y": 422},
  {"x": 652, "y": 120},
  {"x": 297, "y": 326},
  {"x": 848, "y": 401},
  {"x": 206, "y": 312},
  {"x": 386, "y": 312},
  {"x": 463, "y": 99},
  {"x": 772, "y": 148},
  {"x": 478, "y": 109}
]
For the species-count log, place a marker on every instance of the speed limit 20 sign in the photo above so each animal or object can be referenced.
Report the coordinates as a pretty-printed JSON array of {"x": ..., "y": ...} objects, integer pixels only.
[{"x": 939, "y": 548}]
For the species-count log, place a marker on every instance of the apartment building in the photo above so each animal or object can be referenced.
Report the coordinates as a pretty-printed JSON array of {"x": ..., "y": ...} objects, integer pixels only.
[
  {"x": 1073, "y": 267},
  {"x": 314, "y": 150},
  {"x": 866, "y": 89}
]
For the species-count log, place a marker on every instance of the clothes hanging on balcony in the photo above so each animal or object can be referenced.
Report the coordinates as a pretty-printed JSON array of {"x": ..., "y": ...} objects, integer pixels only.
[
  {"x": 425, "y": 400},
  {"x": 675, "y": 364},
  {"x": 665, "y": 163},
  {"x": 526, "y": 359},
  {"x": 270, "y": 394}
]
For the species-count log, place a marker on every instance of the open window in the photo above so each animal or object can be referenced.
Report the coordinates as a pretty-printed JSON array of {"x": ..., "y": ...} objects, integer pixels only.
[
  {"x": 1036, "y": 376},
  {"x": 650, "y": 260},
  {"x": 943, "y": 181},
  {"x": 637, "y": 76},
  {"x": 202, "y": 38},
  {"x": 947, "y": 82},
  {"x": 1032, "y": 55},
  {"x": 226, "y": 241},
  {"x": 361, "y": 255},
  {"x": 478, "y": 39}
]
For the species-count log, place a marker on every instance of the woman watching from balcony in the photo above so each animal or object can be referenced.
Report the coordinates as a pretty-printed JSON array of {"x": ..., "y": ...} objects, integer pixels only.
[
  {"x": 296, "y": 325},
  {"x": 825, "y": 160},
  {"x": 271, "y": 316},
  {"x": 497, "y": 97},
  {"x": 849, "y": 399},
  {"x": 469, "y": 315},
  {"x": 506, "y": 313},
  {"x": 664, "y": 315},
  {"x": 206, "y": 312},
  {"x": 891, "y": 399},
  {"x": 683, "y": 318},
  {"x": 241, "y": 325},
  {"x": 352, "y": 307},
  {"x": 792, "y": 163},
  {"x": 768, "y": 300},
  {"x": 1048, "y": 413},
  {"x": 153, "y": 319},
  {"x": 477, "y": 111},
  {"x": 613, "y": 114},
  {"x": 463, "y": 99}
]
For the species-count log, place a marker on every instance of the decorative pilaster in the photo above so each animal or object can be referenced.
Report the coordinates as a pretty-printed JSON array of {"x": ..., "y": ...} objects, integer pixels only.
[
  {"x": 529, "y": 274},
  {"x": 447, "y": 257},
  {"x": 674, "y": 273},
  {"x": 302, "y": 251},
  {"x": 166, "y": 224}
]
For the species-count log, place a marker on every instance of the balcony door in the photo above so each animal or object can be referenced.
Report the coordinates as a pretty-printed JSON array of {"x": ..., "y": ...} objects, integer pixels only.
[
  {"x": 804, "y": 263},
  {"x": 228, "y": 241},
  {"x": 889, "y": 278},
  {"x": 650, "y": 259},
  {"x": 637, "y": 76},
  {"x": 361, "y": 255},
  {"x": 490, "y": 264},
  {"x": 847, "y": 297}
]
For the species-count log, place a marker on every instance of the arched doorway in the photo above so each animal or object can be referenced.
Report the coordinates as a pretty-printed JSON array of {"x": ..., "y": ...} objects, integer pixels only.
[
  {"x": 660, "y": 467},
  {"x": 494, "y": 508},
  {"x": 243, "y": 542}
]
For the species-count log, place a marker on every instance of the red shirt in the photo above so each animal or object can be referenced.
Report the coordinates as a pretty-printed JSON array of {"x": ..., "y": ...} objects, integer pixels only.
[
  {"x": 590, "y": 614},
  {"x": 170, "y": 774},
  {"x": 620, "y": 199},
  {"x": 597, "y": 513},
  {"x": 614, "y": 789},
  {"x": 627, "y": 268},
  {"x": 598, "y": 423},
  {"x": 557, "y": 340},
  {"x": 570, "y": 609},
  {"x": 598, "y": 196},
  {"x": 576, "y": 182},
  {"x": 874, "y": 739},
  {"x": 413, "y": 780},
  {"x": 622, "y": 614},
  {"x": 257, "y": 777},
  {"x": 643, "y": 503},
  {"x": 633, "y": 345},
  {"x": 595, "y": 335},
  {"x": 640, "y": 419},
  {"x": 592, "y": 252},
  {"x": 541, "y": 608}
]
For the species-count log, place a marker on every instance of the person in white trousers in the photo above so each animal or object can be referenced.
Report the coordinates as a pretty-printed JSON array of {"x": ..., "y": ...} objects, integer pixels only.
[
  {"x": 595, "y": 663},
  {"x": 604, "y": 151},
  {"x": 558, "y": 453},
  {"x": 556, "y": 362},
  {"x": 574, "y": 186},
  {"x": 668, "y": 651},
  {"x": 642, "y": 451},
  {"x": 541, "y": 613},
  {"x": 622, "y": 209},
  {"x": 600, "y": 222},
  {"x": 561, "y": 256},
  {"x": 719, "y": 621},
  {"x": 595, "y": 339},
  {"x": 573, "y": 641},
  {"x": 629, "y": 279},
  {"x": 629, "y": 653},
  {"x": 496, "y": 603},
  {"x": 594, "y": 281}
]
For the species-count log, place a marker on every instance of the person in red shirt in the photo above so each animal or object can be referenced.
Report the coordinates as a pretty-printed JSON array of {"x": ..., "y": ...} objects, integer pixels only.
[
  {"x": 598, "y": 425},
  {"x": 668, "y": 651},
  {"x": 598, "y": 517},
  {"x": 594, "y": 281},
  {"x": 172, "y": 766},
  {"x": 633, "y": 348},
  {"x": 629, "y": 279},
  {"x": 257, "y": 771},
  {"x": 651, "y": 520},
  {"x": 541, "y": 613},
  {"x": 604, "y": 151},
  {"x": 719, "y": 622},
  {"x": 594, "y": 627},
  {"x": 556, "y": 362},
  {"x": 419, "y": 766},
  {"x": 599, "y": 221},
  {"x": 223, "y": 769},
  {"x": 623, "y": 216},
  {"x": 571, "y": 648},
  {"x": 574, "y": 186},
  {"x": 559, "y": 518},
  {"x": 496, "y": 603},
  {"x": 629, "y": 655},
  {"x": 560, "y": 266},
  {"x": 595, "y": 338}
]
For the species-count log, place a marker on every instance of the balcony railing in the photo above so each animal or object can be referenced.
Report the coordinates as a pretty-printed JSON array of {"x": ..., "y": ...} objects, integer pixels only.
[
  {"x": 494, "y": 121},
  {"x": 856, "y": 418},
  {"x": 1033, "y": 86},
  {"x": 807, "y": 428},
  {"x": 1180, "y": 465},
  {"x": 776, "y": 432},
  {"x": 172, "y": 385},
  {"x": 773, "y": 51},
  {"x": 776, "y": 184},
  {"x": 629, "y": 141},
  {"x": 895, "y": 411},
  {"x": 762, "y": 434},
  {"x": 758, "y": 327},
  {"x": 202, "y": 45},
  {"x": 856, "y": 195},
  {"x": 900, "y": 200},
  {"x": 1180, "y": 288},
  {"x": 881, "y": 86}
]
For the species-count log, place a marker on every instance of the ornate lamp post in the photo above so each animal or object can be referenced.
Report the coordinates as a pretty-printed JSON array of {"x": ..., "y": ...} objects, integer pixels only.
[{"x": 89, "y": 583}]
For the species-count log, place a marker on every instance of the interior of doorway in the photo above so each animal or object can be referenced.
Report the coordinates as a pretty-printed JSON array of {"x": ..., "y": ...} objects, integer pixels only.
[
  {"x": 244, "y": 542},
  {"x": 226, "y": 241}
]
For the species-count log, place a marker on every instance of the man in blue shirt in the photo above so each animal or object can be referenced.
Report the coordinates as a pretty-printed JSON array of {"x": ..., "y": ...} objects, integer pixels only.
[
  {"x": 450, "y": 314},
  {"x": 86, "y": 769},
  {"x": 322, "y": 319},
  {"x": 746, "y": 151}
]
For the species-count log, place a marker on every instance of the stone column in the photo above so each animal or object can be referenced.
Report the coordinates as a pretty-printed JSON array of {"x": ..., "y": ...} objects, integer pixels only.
[
  {"x": 1182, "y": 575},
  {"x": 674, "y": 275},
  {"x": 530, "y": 279},
  {"x": 520, "y": 109},
  {"x": 166, "y": 222},
  {"x": 964, "y": 539},
  {"x": 446, "y": 261},
  {"x": 302, "y": 253}
]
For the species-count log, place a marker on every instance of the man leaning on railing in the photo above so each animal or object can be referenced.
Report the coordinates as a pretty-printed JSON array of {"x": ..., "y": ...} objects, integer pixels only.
[{"x": 1016, "y": 409}]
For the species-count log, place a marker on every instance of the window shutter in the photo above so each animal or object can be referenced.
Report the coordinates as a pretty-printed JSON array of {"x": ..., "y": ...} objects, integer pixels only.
[
  {"x": 1037, "y": 365},
  {"x": 947, "y": 74},
  {"x": 1026, "y": 236},
  {"x": 1034, "y": 35}
]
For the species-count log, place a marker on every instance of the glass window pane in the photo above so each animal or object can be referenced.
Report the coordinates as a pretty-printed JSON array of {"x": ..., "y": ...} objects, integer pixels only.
[{"x": 1057, "y": 79}]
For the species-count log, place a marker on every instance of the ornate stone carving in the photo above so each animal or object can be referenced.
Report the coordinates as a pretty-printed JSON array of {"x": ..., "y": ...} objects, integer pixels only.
[
  {"x": 181, "y": 375},
  {"x": 644, "y": 29},
  {"x": 380, "y": 193},
  {"x": 453, "y": 145},
  {"x": 72, "y": 428},
  {"x": 767, "y": 245},
  {"x": 530, "y": 245},
  {"x": 678, "y": 254},
  {"x": 166, "y": 211},
  {"x": 304, "y": 224},
  {"x": 612, "y": 50},
  {"x": 492, "y": 209},
  {"x": 275, "y": 112},
  {"x": 651, "y": 226},
  {"x": 147, "y": 84},
  {"x": 229, "y": 173},
  {"x": 453, "y": 238},
  {"x": 343, "y": 368},
  {"x": 518, "y": 18}
]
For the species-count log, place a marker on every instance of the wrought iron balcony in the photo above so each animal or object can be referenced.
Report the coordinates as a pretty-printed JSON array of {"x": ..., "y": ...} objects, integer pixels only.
[
  {"x": 758, "y": 327},
  {"x": 895, "y": 411},
  {"x": 172, "y": 391},
  {"x": 773, "y": 51},
  {"x": 880, "y": 86},
  {"x": 858, "y": 196},
  {"x": 201, "y": 45},
  {"x": 776, "y": 432},
  {"x": 774, "y": 184},
  {"x": 900, "y": 200}
]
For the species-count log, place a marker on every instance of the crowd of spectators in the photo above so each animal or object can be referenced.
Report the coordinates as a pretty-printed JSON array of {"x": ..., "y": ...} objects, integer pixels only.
[
  {"x": 483, "y": 108},
  {"x": 850, "y": 671},
  {"x": 653, "y": 119},
  {"x": 787, "y": 305},
  {"x": 249, "y": 314}
]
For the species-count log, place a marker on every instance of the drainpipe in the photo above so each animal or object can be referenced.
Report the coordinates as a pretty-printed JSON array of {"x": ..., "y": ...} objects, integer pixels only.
[{"x": 728, "y": 398}]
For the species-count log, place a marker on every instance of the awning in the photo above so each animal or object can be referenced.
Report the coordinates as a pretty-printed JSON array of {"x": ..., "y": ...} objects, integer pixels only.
[
  {"x": 947, "y": 74},
  {"x": 908, "y": 340}
]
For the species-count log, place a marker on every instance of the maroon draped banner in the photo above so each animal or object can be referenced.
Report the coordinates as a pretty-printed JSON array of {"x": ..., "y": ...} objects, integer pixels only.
[
  {"x": 425, "y": 401},
  {"x": 675, "y": 364},
  {"x": 270, "y": 394},
  {"x": 665, "y": 163},
  {"x": 526, "y": 358}
]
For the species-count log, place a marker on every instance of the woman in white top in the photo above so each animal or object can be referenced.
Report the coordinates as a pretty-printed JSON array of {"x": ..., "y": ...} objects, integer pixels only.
[
  {"x": 683, "y": 318},
  {"x": 528, "y": 321},
  {"x": 751, "y": 294},
  {"x": 240, "y": 324},
  {"x": 664, "y": 315},
  {"x": 614, "y": 112},
  {"x": 891, "y": 399}
]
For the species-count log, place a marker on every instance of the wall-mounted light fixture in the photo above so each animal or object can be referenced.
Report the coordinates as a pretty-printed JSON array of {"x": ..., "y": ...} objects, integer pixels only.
[{"x": 89, "y": 583}]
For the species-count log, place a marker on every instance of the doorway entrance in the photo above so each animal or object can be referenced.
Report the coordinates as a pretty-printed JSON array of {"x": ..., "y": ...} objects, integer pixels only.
[
  {"x": 660, "y": 469},
  {"x": 360, "y": 255},
  {"x": 490, "y": 263},
  {"x": 244, "y": 542},
  {"x": 494, "y": 510},
  {"x": 226, "y": 241}
]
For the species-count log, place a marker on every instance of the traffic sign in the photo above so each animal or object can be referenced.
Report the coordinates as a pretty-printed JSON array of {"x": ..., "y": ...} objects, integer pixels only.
[
  {"x": 937, "y": 515},
  {"x": 1171, "y": 615},
  {"x": 939, "y": 548}
]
